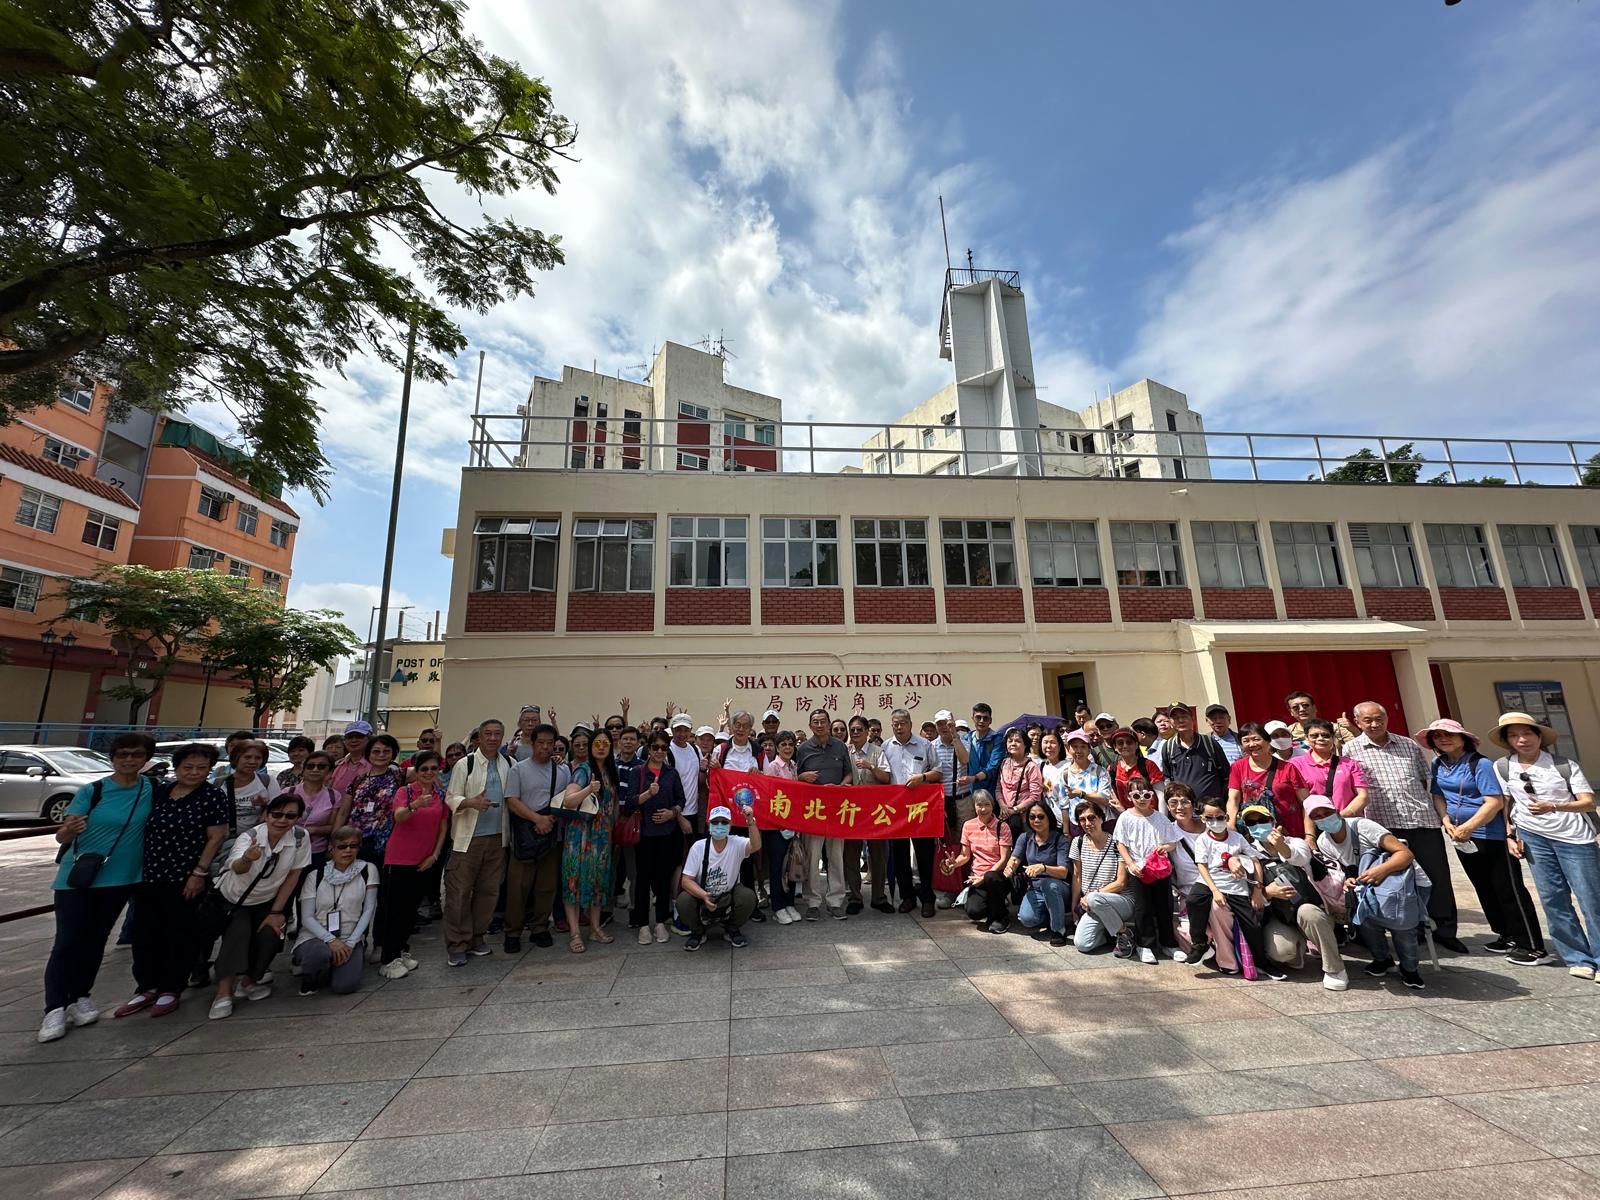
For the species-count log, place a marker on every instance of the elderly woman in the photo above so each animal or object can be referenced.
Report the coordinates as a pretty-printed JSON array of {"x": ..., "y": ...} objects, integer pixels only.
[
  {"x": 102, "y": 861},
  {"x": 264, "y": 868},
  {"x": 1019, "y": 784},
  {"x": 1040, "y": 857},
  {"x": 1553, "y": 824},
  {"x": 1470, "y": 801},
  {"x": 368, "y": 802},
  {"x": 1328, "y": 773},
  {"x": 242, "y": 783},
  {"x": 985, "y": 847},
  {"x": 1100, "y": 899},
  {"x": 184, "y": 834},
  {"x": 337, "y": 902}
]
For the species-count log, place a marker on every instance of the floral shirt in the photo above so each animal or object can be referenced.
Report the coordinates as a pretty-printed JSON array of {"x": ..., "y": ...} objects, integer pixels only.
[{"x": 372, "y": 811}]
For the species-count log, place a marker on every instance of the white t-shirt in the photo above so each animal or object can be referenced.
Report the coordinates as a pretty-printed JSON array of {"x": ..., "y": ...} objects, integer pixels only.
[
  {"x": 687, "y": 760},
  {"x": 293, "y": 854},
  {"x": 723, "y": 871},
  {"x": 1141, "y": 836},
  {"x": 1551, "y": 788},
  {"x": 1214, "y": 854},
  {"x": 1361, "y": 835},
  {"x": 1184, "y": 872},
  {"x": 740, "y": 758}
]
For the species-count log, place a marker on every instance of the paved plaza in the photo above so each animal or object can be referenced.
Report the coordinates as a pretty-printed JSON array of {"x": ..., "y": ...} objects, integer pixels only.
[{"x": 877, "y": 1057}]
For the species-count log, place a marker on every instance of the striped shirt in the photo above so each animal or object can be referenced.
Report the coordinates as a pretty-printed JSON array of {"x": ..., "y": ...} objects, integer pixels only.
[
  {"x": 1097, "y": 868},
  {"x": 1397, "y": 782}
]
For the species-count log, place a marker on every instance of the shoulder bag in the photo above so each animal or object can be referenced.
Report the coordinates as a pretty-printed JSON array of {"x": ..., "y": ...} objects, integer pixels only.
[
  {"x": 86, "y": 866},
  {"x": 527, "y": 843}
]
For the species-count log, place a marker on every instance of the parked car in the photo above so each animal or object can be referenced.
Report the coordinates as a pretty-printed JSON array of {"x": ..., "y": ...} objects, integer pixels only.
[
  {"x": 160, "y": 766},
  {"x": 39, "y": 781}
]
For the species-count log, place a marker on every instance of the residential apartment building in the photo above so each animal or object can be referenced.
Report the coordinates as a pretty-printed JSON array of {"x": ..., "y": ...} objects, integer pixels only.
[{"x": 80, "y": 490}]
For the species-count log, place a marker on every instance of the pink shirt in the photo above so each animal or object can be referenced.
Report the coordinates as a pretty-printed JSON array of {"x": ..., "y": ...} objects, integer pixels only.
[
  {"x": 780, "y": 769},
  {"x": 319, "y": 811},
  {"x": 1018, "y": 786},
  {"x": 414, "y": 839},
  {"x": 988, "y": 844},
  {"x": 1346, "y": 779},
  {"x": 345, "y": 773}
]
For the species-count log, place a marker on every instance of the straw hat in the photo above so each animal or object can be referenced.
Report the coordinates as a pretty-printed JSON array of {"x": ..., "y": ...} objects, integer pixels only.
[
  {"x": 1446, "y": 725},
  {"x": 1497, "y": 735}
]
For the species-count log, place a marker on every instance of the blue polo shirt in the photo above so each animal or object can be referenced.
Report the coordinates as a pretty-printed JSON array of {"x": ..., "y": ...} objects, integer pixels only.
[
  {"x": 1463, "y": 784},
  {"x": 119, "y": 806}
]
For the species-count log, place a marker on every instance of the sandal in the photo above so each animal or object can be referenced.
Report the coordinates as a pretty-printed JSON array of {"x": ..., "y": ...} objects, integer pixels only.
[
  {"x": 601, "y": 936},
  {"x": 165, "y": 1005},
  {"x": 140, "y": 1002},
  {"x": 575, "y": 944}
]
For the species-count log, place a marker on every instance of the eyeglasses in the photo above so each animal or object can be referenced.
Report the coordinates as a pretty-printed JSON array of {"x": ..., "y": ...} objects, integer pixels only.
[
  {"x": 1038, "y": 816},
  {"x": 315, "y": 767},
  {"x": 1088, "y": 816},
  {"x": 614, "y": 728},
  {"x": 283, "y": 816},
  {"x": 347, "y": 846},
  {"x": 428, "y": 767}
]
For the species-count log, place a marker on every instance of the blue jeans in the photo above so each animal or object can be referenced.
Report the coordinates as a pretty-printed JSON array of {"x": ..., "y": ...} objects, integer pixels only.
[
  {"x": 1375, "y": 938},
  {"x": 1104, "y": 914},
  {"x": 1044, "y": 894},
  {"x": 1562, "y": 872}
]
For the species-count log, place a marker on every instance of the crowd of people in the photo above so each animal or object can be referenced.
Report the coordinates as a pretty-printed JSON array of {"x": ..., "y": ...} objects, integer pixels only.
[{"x": 1260, "y": 850}]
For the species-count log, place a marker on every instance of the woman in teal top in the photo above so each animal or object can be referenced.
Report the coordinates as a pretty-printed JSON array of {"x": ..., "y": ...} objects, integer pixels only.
[{"x": 112, "y": 826}]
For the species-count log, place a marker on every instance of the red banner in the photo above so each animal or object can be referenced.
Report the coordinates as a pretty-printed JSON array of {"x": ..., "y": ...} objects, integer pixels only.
[{"x": 871, "y": 811}]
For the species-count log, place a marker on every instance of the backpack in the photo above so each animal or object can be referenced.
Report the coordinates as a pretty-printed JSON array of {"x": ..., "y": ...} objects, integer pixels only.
[
  {"x": 1563, "y": 768},
  {"x": 1398, "y": 901}
]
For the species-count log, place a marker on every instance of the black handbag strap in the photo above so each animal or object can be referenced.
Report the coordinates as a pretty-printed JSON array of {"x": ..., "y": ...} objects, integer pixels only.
[{"x": 94, "y": 798}]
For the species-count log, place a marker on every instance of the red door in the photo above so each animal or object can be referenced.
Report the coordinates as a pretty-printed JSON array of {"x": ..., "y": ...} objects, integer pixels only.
[{"x": 1338, "y": 679}]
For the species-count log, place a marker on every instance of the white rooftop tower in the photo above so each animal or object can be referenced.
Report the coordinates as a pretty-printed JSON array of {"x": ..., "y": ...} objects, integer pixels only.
[{"x": 983, "y": 331}]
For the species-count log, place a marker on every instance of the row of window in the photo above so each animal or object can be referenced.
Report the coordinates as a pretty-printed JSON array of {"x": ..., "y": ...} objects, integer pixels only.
[
  {"x": 518, "y": 554},
  {"x": 214, "y": 506},
  {"x": 38, "y": 511},
  {"x": 203, "y": 559}
]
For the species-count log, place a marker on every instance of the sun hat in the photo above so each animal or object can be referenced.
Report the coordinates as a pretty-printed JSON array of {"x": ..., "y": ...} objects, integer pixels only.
[
  {"x": 1497, "y": 735},
  {"x": 1446, "y": 725},
  {"x": 1078, "y": 735}
]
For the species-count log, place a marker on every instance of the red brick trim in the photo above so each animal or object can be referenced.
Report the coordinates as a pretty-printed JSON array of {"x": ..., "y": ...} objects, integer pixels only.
[
  {"x": 1238, "y": 604},
  {"x": 1072, "y": 605},
  {"x": 1318, "y": 604},
  {"x": 611, "y": 612},
  {"x": 1549, "y": 603},
  {"x": 1594, "y": 601},
  {"x": 894, "y": 606},
  {"x": 708, "y": 606},
  {"x": 511, "y": 612},
  {"x": 983, "y": 605},
  {"x": 1140, "y": 604},
  {"x": 802, "y": 606},
  {"x": 1399, "y": 603},
  {"x": 1474, "y": 604}
]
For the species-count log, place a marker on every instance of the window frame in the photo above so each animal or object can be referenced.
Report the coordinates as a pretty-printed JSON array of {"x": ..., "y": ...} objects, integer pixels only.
[
  {"x": 234, "y": 571},
  {"x": 273, "y": 532},
  {"x": 212, "y": 498},
  {"x": 248, "y": 519},
  {"x": 590, "y": 539},
  {"x": 70, "y": 393},
  {"x": 1521, "y": 554},
  {"x": 901, "y": 547},
  {"x": 1294, "y": 563},
  {"x": 725, "y": 549},
  {"x": 212, "y": 557},
  {"x": 504, "y": 535},
  {"x": 1062, "y": 537},
  {"x": 102, "y": 524},
  {"x": 796, "y": 533},
  {"x": 21, "y": 587},
  {"x": 977, "y": 544},
  {"x": 1132, "y": 544},
  {"x": 1237, "y": 552},
  {"x": 1586, "y": 549},
  {"x": 1370, "y": 552},
  {"x": 62, "y": 453},
  {"x": 46, "y": 510},
  {"x": 272, "y": 581},
  {"x": 1443, "y": 543}
]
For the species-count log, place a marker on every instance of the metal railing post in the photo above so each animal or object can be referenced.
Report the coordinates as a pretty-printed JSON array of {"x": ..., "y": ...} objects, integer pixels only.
[
  {"x": 1250, "y": 449},
  {"x": 1511, "y": 457},
  {"x": 1322, "y": 467},
  {"x": 1383, "y": 449},
  {"x": 1450, "y": 461}
]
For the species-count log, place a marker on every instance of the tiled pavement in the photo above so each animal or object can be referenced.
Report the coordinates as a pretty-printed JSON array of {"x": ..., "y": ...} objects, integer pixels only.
[{"x": 878, "y": 1057}]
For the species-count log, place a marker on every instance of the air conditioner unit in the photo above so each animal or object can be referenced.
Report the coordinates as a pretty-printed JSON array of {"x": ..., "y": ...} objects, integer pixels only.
[
  {"x": 81, "y": 454},
  {"x": 949, "y": 418}
]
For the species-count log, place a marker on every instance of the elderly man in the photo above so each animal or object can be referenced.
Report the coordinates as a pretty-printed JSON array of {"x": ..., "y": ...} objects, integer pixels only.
[
  {"x": 865, "y": 765},
  {"x": 953, "y": 757},
  {"x": 479, "y": 788},
  {"x": 1302, "y": 708},
  {"x": 909, "y": 759},
  {"x": 823, "y": 758},
  {"x": 1193, "y": 758},
  {"x": 1399, "y": 799}
]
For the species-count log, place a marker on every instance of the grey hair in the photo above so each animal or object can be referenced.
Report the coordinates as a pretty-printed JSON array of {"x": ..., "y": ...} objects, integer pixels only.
[
  {"x": 491, "y": 721},
  {"x": 1370, "y": 704},
  {"x": 983, "y": 794},
  {"x": 742, "y": 715},
  {"x": 899, "y": 712}
]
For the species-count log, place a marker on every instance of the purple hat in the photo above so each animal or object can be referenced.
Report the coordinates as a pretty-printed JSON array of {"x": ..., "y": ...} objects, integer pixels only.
[
  {"x": 1446, "y": 725},
  {"x": 1078, "y": 735}
]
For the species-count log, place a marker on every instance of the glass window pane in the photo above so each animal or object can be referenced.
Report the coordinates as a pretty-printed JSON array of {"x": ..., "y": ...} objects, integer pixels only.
[
  {"x": 680, "y": 565},
  {"x": 586, "y": 528},
  {"x": 977, "y": 529},
  {"x": 800, "y": 529},
  {"x": 487, "y": 573},
  {"x": 889, "y": 530},
  {"x": 583, "y": 566},
  {"x": 916, "y": 529},
  {"x": 828, "y": 530},
  {"x": 917, "y": 564},
  {"x": 641, "y": 573},
  {"x": 733, "y": 565},
  {"x": 544, "y": 566},
  {"x": 518, "y": 564},
  {"x": 1041, "y": 564},
  {"x": 800, "y": 565},
  {"x": 772, "y": 527},
  {"x": 489, "y": 524},
  {"x": 866, "y": 564},
  {"x": 1005, "y": 569},
  {"x": 979, "y": 571},
  {"x": 955, "y": 565},
  {"x": 1089, "y": 574},
  {"x": 644, "y": 529},
  {"x": 950, "y": 530},
  {"x": 863, "y": 529},
  {"x": 613, "y": 566},
  {"x": 773, "y": 571},
  {"x": 999, "y": 529},
  {"x": 708, "y": 526},
  {"x": 827, "y": 564},
  {"x": 708, "y": 564},
  {"x": 733, "y": 527},
  {"x": 890, "y": 568}
]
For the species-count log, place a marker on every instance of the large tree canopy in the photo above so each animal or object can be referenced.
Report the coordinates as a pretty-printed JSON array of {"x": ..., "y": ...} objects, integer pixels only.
[{"x": 203, "y": 198}]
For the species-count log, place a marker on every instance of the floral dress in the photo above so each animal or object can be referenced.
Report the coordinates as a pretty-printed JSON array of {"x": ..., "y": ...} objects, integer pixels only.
[
  {"x": 586, "y": 848},
  {"x": 372, "y": 811}
]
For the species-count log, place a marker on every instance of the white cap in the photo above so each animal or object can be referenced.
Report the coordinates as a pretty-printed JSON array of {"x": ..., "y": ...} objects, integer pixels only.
[
  {"x": 961, "y": 723},
  {"x": 1274, "y": 726},
  {"x": 942, "y": 715},
  {"x": 1105, "y": 717},
  {"x": 682, "y": 720},
  {"x": 770, "y": 715},
  {"x": 720, "y": 813},
  {"x": 703, "y": 730}
]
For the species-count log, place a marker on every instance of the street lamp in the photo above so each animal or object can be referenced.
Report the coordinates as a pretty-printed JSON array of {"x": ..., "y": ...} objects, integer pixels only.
[
  {"x": 54, "y": 649},
  {"x": 210, "y": 666}
]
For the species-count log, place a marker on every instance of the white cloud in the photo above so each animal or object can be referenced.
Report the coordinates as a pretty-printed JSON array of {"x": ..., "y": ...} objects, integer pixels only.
[{"x": 355, "y": 601}]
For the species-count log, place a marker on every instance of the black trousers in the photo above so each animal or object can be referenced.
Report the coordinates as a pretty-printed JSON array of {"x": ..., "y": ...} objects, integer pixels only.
[
  {"x": 398, "y": 898},
  {"x": 658, "y": 859},
  {"x": 926, "y": 849},
  {"x": 1152, "y": 912},
  {"x": 990, "y": 898},
  {"x": 84, "y": 920},
  {"x": 1427, "y": 845},
  {"x": 166, "y": 937},
  {"x": 1497, "y": 878},
  {"x": 1246, "y": 919}
]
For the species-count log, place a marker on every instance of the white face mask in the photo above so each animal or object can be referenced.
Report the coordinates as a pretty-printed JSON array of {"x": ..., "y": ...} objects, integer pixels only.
[{"x": 1283, "y": 743}]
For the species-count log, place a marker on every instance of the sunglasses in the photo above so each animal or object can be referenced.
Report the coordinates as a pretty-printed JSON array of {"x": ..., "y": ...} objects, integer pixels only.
[
  {"x": 1088, "y": 816},
  {"x": 1038, "y": 816},
  {"x": 1527, "y": 783},
  {"x": 347, "y": 846},
  {"x": 283, "y": 816}
]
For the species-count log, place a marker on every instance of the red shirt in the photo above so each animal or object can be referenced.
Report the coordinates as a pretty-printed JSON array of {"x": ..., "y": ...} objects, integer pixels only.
[
  {"x": 1286, "y": 781},
  {"x": 1124, "y": 773},
  {"x": 414, "y": 839}
]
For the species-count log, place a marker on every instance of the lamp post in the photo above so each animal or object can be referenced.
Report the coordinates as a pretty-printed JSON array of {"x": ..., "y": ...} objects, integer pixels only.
[
  {"x": 209, "y": 666},
  {"x": 55, "y": 649}
]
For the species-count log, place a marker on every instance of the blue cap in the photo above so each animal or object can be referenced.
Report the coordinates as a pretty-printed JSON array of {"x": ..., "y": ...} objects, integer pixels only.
[{"x": 358, "y": 727}]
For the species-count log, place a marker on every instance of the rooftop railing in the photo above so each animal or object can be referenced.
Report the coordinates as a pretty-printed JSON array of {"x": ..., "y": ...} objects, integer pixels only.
[{"x": 658, "y": 445}]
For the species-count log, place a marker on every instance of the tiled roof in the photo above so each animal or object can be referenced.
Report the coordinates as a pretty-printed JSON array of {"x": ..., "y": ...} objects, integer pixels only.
[
  {"x": 218, "y": 467},
  {"x": 84, "y": 483}
]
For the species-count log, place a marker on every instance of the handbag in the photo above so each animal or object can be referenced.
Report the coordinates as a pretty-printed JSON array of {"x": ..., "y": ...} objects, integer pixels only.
[
  {"x": 86, "y": 866},
  {"x": 626, "y": 831},
  {"x": 1156, "y": 866},
  {"x": 527, "y": 843}
]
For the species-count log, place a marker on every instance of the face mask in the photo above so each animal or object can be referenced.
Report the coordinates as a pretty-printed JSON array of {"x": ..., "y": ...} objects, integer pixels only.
[
  {"x": 719, "y": 829},
  {"x": 1260, "y": 832},
  {"x": 788, "y": 835},
  {"x": 1216, "y": 824},
  {"x": 1330, "y": 824},
  {"x": 1283, "y": 743}
]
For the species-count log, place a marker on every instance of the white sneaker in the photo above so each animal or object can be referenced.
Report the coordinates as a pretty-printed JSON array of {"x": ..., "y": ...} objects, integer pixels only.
[
  {"x": 221, "y": 1009},
  {"x": 396, "y": 969},
  {"x": 663, "y": 935},
  {"x": 1581, "y": 971},
  {"x": 1176, "y": 955},
  {"x": 1335, "y": 981},
  {"x": 55, "y": 1025},
  {"x": 794, "y": 914},
  {"x": 645, "y": 936},
  {"x": 1147, "y": 955},
  {"x": 405, "y": 957},
  {"x": 82, "y": 1011},
  {"x": 782, "y": 916},
  {"x": 258, "y": 991},
  {"x": 266, "y": 977}
]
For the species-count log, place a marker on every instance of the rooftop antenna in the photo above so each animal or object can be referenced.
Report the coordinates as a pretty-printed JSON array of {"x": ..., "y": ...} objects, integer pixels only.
[
  {"x": 944, "y": 229},
  {"x": 969, "y": 258}
]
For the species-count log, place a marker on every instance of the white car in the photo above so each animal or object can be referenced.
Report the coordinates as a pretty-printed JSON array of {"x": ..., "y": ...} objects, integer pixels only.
[
  {"x": 40, "y": 781},
  {"x": 161, "y": 765}
]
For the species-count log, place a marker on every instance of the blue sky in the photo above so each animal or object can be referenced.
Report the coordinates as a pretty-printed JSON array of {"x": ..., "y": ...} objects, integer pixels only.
[{"x": 1369, "y": 216}]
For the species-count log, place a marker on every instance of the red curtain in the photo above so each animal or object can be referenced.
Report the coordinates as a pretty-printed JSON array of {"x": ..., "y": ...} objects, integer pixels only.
[{"x": 1338, "y": 679}]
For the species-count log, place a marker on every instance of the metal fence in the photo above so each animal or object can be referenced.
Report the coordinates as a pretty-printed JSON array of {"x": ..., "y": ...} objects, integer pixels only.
[
  {"x": 515, "y": 440},
  {"x": 99, "y": 737}
]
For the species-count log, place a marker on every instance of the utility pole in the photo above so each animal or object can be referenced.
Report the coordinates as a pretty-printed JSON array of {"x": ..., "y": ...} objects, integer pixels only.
[{"x": 394, "y": 520}]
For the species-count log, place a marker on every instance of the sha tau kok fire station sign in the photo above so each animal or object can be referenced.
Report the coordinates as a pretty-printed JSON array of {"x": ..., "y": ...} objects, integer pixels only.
[{"x": 838, "y": 691}]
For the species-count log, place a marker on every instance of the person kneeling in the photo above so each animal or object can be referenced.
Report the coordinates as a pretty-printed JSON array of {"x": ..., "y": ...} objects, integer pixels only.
[
  {"x": 711, "y": 893},
  {"x": 1100, "y": 899},
  {"x": 1230, "y": 874},
  {"x": 1041, "y": 855},
  {"x": 1296, "y": 915},
  {"x": 337, "y": 901},
  {"x": 985, "y": 846}
]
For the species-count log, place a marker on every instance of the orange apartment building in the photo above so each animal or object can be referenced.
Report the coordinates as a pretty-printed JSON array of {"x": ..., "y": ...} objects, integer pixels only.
[{"x": 80, "y": 490}]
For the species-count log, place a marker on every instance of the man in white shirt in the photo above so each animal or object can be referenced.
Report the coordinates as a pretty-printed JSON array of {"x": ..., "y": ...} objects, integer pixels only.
[
  {"x": 711, "y": 893},
  {"x": 686, "y": 757},
  {"x": 739, "y": 752},
  {"x": 911, "y": 759},
  {"x": 865, "y": 763}
]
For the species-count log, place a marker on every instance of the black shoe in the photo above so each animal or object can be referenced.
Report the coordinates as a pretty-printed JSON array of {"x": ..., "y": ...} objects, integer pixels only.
[
  {"x": 928, "y": 909},
  {"x": 1198, "y": 953},
  {"x": 1454, "y": 944},
  {"x": 883, "y": 906},
  {"x": 1413, "y": 980},
  {"x": 308, "y": 989},
  {"x": 1059, "y": 939},
  {"x": 1500, "y": 946},
  {"x": 1272, "y": 971},
  {"x": 543, "y": 940},
  {"x": 998, "y": 926},
  {"x": 513, "y": 944},
  {"x": 907, "y": 905},
  {"x": 758, "y": 918},
  {"x": 1040, "y": 933},
  {"x": 1530, "y": 958},
  {"x": 736, "y": 939},
  {"x": 694, "y": 941},
  {"x": 1379, "y": 967},
  {"x": 853, "y": 908},
  {"x": 497, "y": 925},
  {"x": 436, "y": 912}
]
